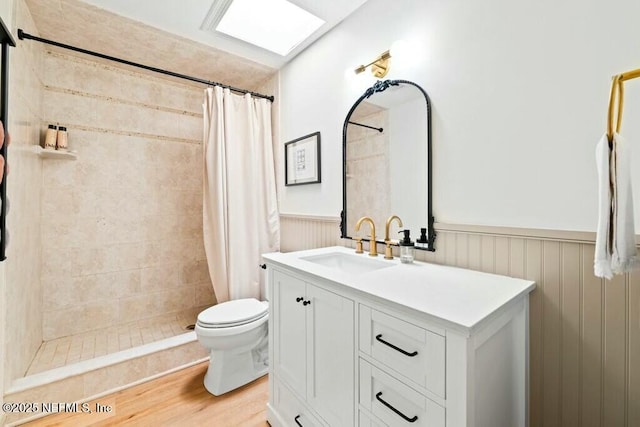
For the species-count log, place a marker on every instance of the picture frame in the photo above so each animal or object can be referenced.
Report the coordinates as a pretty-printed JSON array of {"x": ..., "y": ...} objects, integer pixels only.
[{"x": 302, "y": 160}]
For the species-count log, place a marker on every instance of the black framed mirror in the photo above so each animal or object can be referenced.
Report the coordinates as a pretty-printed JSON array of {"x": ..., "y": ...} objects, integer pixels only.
[
  {"x": 7, "y": 40},
  {"x": 386, "y": 160}
]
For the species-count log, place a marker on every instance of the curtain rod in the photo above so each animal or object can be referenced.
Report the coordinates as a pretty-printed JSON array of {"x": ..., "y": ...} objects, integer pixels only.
[
  {"x": 366, "y": 126},
  {"x": 22, "y": 36}
]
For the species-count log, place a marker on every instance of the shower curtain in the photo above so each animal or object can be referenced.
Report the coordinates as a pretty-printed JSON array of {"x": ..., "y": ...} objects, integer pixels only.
[{"x": 240, "y": 211}]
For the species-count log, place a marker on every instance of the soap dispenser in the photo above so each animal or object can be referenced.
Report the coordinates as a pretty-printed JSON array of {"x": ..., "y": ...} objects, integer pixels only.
[
  {"x": 407, "y": 248},
  {"x": 422, "y": 241}
]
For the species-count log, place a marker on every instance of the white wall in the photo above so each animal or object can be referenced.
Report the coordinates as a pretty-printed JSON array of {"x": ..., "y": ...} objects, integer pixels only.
[{"x": 519, "y": 93}]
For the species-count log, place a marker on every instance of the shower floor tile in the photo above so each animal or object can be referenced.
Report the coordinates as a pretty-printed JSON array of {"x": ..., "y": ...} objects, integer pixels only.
[{"x": 67, "y": 350}]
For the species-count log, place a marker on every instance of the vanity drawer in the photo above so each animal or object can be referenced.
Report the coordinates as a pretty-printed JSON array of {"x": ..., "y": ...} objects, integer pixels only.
[
  {"x": 414, "y": 352},
  {"x": 291, "y": 410},
  {"x": 395, "y": 403}
]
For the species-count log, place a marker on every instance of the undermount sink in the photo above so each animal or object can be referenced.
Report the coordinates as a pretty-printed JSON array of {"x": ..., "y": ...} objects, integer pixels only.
[{"x": 348, "y": 263}]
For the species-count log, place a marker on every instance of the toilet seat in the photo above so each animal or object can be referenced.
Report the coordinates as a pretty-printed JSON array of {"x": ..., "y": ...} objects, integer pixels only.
[{"x": 233, "y": 313}]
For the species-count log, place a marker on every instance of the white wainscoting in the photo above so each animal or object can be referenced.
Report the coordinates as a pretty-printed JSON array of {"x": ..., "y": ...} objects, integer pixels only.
[{"x": 298, "y": 232}]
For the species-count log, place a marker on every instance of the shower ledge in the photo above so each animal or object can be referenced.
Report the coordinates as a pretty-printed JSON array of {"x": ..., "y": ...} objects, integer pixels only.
[{"x": 55, "y": 154}]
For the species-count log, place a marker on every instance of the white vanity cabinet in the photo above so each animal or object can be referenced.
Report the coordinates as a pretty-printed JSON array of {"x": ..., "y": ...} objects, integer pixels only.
[
  {"x": 312, "y": 351},
  {"x": 394, "y": 344}
]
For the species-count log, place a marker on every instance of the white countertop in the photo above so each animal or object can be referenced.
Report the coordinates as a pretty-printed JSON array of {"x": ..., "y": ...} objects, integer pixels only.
[{"x": 456, "y": 296}]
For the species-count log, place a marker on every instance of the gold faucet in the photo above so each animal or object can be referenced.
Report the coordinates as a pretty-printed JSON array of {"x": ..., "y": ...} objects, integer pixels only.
[
  {"x": 373, "y": 251},
  {"x": 387, "y": 241}
]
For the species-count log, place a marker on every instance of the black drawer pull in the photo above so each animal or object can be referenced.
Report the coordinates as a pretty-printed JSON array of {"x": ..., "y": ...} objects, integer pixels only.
[
  {"x": 404, "y": 417},
  {"x": 296, "y": 420},
  {"x": 307, "y": 302},
  {"x": 299, "y": 299},
  {"x": 406, "y": 353}
]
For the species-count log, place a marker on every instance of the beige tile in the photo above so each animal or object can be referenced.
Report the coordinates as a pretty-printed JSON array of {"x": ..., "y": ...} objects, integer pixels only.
[
  {"x": 88, "y": 348},
  {"x": 113, "y": 342},
  {"x": 191, "y": 226},
  {"x": 100, "y": 348},
  {"x": 167, "y": 331},
  {"x": 90, "y": 260},
  {"x": 62, "y": 347},
  {"x": 191, "y": 127},
  {"x": 157, "y": 333},
  {"x": 124, "y": 256},
  {"x": 161, "y": 361},
  {"x": 193, "y": 351},
  {"x": 124, "y": 341},
  {"x": 58, "y": 202},
  {"x": 57, "y": 294},
  {"x": 136, "y": 336},
  {"x": 75, "y": 354},
  {"x": 137, "y": 307},
  {"x": 195, "y": 272},
  {"x": 189, "y": 316},
  {"x": 118, "y": 284},
  {"x": 81, "y": 76},
  {"x": 115, "y": 376},
  {"x": 147, "y": 334},
  {"x": 107, "y": 216},
  {"x": 205, "y": 294},
  {"x": 178, "y": 300},
  {"x": 161, "y": 277},
  {"x": 176, "y": 329},
  {"x": 58, "y": 323},
  {"x": 108, "y": 340},
  {"x": 69, "y": 109}
]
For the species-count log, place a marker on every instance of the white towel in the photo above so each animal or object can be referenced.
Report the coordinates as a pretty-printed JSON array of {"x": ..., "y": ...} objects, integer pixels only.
[
  {"x": 615, "y": 239},
  {"x": 602, "y": 261},
  {"x": 624, "y": 257}
]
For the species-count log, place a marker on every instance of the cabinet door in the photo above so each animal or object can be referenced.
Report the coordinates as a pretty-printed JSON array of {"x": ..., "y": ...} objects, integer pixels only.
[
  {"x": 330, "y": 350},
  {"x": 290, "y": 331}
]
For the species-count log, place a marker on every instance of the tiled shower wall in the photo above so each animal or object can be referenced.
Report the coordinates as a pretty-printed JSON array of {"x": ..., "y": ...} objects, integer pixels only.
[
  {"x": 584, "y": 350},
  {"x": 22, "y": 297},
  {"x": 122, "y": 225},
  {"x": 368, "y": 150}
]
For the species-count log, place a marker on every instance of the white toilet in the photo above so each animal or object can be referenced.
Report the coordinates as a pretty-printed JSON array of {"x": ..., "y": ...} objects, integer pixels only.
[{"x": 236, "y": 334}]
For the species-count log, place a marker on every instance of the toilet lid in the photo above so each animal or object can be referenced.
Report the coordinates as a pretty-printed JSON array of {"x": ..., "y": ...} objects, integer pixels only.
[{"x": 232, "y": 313}]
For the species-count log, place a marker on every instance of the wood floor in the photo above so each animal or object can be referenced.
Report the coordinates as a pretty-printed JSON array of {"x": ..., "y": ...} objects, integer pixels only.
[{"x": 179, "y": 399}]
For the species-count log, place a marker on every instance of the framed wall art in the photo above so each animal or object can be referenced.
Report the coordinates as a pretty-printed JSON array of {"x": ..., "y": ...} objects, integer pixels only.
[{"x": 302, "y": 160}]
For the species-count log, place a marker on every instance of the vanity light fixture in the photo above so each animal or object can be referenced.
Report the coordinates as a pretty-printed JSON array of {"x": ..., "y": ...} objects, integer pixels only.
[{"x": 379, "y": 66}]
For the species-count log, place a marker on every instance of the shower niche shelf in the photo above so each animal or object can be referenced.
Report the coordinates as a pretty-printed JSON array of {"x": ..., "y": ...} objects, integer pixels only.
[{"x": 53, "y": 154}]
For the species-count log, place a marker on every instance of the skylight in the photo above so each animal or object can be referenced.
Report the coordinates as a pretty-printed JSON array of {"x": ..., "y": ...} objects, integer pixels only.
[{"x": 275, "y": 25}]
